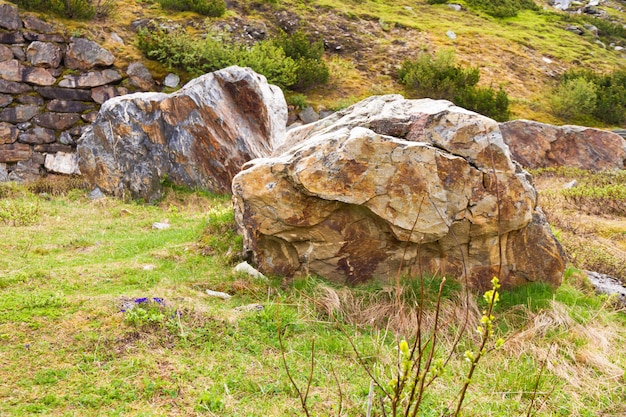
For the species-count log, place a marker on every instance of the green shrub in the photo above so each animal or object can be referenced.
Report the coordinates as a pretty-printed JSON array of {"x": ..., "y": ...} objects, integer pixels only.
[
  {"x": 502, "y": 8},
  {"x": 574, "y": 98},
  {"x": 291, "y": 62},
  {"x": 437, "y": 1},
  {"x": 439, "y": 77},
  {"x": 436, "y": 77},
  {"x": 70, "y": 9},
  {"x": 211, "y": 8},
  {"x": 487, "y": 101}
]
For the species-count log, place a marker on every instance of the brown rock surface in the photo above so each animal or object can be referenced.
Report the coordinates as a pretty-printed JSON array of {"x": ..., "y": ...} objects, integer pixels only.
[
  {"x": 539, "y": 145},
  {"x": 84, "y": 54},
  {"x": 13, "y": 70},
  {"x": 91, "y": 79},
  {"x": 15, "y": 152},
  {"x": 8, "y": 133},
  {"x": 198, "y": 136},
  {"x": 391, "y": 182}
]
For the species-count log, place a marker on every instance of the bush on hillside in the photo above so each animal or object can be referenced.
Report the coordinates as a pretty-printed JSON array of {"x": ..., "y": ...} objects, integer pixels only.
[
  {"x": 436, "y": 77},
  {"x": 609, "y": 104},
  {"x": 574, "y": 99},
  {"x": 291, "y": 62},
  {"x": 502, "y": 8},
  {"x": 211, "y": 8},
  {"x": 439, "y": 77},
  {"x": 70, "y": 9}
]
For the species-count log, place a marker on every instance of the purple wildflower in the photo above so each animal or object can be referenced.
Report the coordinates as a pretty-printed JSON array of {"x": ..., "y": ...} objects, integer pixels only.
[{"x": 141, "y": 300}]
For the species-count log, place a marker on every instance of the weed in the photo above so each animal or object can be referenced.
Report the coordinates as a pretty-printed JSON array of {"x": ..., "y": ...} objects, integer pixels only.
[{"x": 19, "y": 212}]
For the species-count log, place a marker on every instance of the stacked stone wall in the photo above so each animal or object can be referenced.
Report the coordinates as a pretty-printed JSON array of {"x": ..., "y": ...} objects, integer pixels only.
[{"x": 51, "y": 88}]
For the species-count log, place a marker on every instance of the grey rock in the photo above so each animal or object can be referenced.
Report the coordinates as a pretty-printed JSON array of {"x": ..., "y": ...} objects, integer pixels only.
[
  {"x": 67, "y": 106},
  {"x": 25, "y": 171},
  {"x": 115, "y": 38},
  {"x": 15, "y": 152},
  {"x": 199, "y": 136},
  {"x": 30, "y": 99},
  {"x": 606, "y": 284},
  {"x": 9, "y": 17},
  {"x": 591, "y": 29},
  {"x": 37, "y": 135},
  {"x": 52, "y": 148},
  {"x": 44, "y": 54},
  {"x": 171, "y": 80},
  {"x": 19, "y": 113},
  {"x": 570, "y": 184},
  {"x": 91, "y": 79},
  {"x": 24, "y": 126},
  {"x": 35, "y": 24},
  {"x": 89, "y": 117},
  {"x": 103, "y": 93},
  {"x": 8, "y": 133},
  {"x": 12, "y": 87},
  {"x": 4, "y": 174},
  {"x": 5, "y": 53},
  {"x": 308, "y": 115},
  {"x": 96, "y": 194},
  {"x": 78, "y": 130},
  {"x": 11, "y": 37},
  {"x": 56, "y": 121},
  {"x": 18, "y": 52},
  {"x": 13, "y": 70},
  {"x": 574, "y": 29},
  {"x": 5, "y": 100},
  {"x": 140, "y": 77},
  {"x": 450, "y": 34},
  {"x": 64, "y": 93},
  {"x": 62, "y": 163},
  {"x": 84, "y": 54},
  {"x": 66, "y": 138},
  {"x": 455, "y": 7},
  {"x": 41, "y": 37}
]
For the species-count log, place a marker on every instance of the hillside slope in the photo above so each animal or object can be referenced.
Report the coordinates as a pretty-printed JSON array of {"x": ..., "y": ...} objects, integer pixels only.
[{"x": 367, "y": 40}]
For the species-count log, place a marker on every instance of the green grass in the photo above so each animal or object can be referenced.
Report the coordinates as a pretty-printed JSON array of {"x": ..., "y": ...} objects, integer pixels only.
[{"x": 68, "y": 349}]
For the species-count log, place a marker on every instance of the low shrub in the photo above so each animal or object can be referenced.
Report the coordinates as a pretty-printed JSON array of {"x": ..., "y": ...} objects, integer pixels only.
[
  {"x": 289, "y": 61},
  {"x": 211, "y": 8},
  {"x": 502, "y": 8},
  {"x": 439, "y": 77},
  {"x": 573, "y": 99},
  {"x": 70, "y": 9}
]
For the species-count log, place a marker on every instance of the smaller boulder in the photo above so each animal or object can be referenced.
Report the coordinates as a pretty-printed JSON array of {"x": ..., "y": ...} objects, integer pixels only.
[
  {"x": 44, "y": 54},
  {"x": 9, "y": 17},
  {"x": 140, "y": 77},
  {"x": 84, "y": 54}
]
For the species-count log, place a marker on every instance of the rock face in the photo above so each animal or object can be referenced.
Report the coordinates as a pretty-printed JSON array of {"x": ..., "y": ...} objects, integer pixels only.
[
  {"x": 539, "y": 145},
  {"x": 389, "y": 184},
  {"x": 199, "y": 136}
]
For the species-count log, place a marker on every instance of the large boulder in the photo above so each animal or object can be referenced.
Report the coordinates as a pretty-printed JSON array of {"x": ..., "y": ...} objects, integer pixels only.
[
  {"x": 539, "y": 145},
  {"x": 198, "y": 136},
  {"x": 392, "y": 185}
]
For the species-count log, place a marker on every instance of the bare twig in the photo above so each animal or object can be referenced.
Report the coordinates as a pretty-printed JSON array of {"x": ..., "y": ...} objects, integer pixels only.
[
  {"x": 536, "y": 387},
  {"x": 340, "y": 408}
]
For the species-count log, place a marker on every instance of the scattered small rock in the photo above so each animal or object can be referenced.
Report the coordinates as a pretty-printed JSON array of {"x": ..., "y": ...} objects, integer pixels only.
[
  {"x": 218, "y": 294},
  {"x": 250, "y": 307},
  {"x": 570, "y": 184},
  {"x": 96, "y": 194},
  {"x": 606, "y": 284},
  {"x": 171, "y": 80},
  {"x": 450, "y": 34},
  {"x": 245, "y": 267},
  {"x": 160, "y": 225}
]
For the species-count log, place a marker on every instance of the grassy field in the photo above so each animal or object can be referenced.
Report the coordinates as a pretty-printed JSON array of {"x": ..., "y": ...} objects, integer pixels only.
[{"x": 103, "y": 315}]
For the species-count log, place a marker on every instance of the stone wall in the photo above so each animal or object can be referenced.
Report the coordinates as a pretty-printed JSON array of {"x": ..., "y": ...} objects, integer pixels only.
[{"x": 51, "y": 88}]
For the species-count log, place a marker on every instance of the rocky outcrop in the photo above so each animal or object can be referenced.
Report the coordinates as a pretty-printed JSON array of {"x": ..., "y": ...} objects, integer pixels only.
[
  {"x": 539, "y": 145},
  {"x": 391, "y": 184},
  {"x": 198, "y": 136}
]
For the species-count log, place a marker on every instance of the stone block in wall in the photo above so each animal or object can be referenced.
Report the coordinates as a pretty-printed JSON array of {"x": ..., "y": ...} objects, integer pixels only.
[
  {"x": 31, "y": 36},
  {"x": 18, "y": 52},
  {"x": 68, "y": 106},
  {"x": 11, "y": 87},
  {"x": 65, "y": 138},
  {"x": 5, "y": 53},
  {"x": 89, "y": 117},
  {"x": 84, "y": 54},
  {"x": 91, "y": 79},
  {"x": 63, "y": 93},
  {"x": 29, "y": 99},
  {"x": 37, "y": 135},
  {"x": 35, "y": 24},
  {"x": 44, "y": 54},
  {"x": 19, "y": 113},
  {"x": 8, "y": 133},
  {"x": 78, "y": 130},
  {"x": 5, "y": 100},
  {"x": 15, "y": 152},
  {"x": 9, "y": 17},
  {"x": 140, "y": 77},
  {"x": 11, "y": 38},
  {"x": 27, "y": 170},
  {"x": 56, "y": 121},
  {"x": 103, "y": 93},
  {"x": 53, "y": 148},
  {"x": 62, "y": 163},
  {"x": 13, "y": 70}
]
